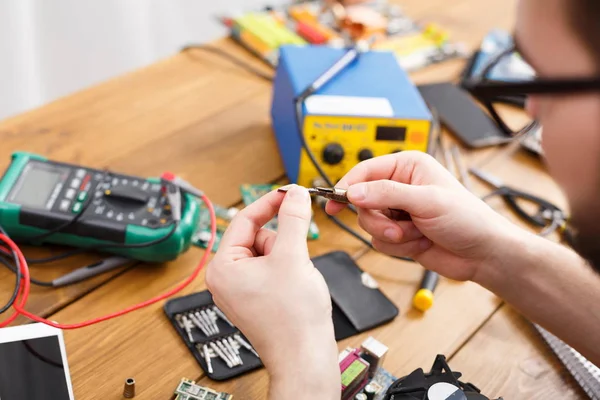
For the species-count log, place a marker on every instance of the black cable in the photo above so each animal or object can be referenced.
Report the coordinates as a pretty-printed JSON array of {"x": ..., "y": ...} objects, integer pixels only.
[
  {"x": 358, "y": 236},
  {"x": 19, "y": 276},
  {"x": 238, "y": 62},
  {"x": 11, "y": 267}
]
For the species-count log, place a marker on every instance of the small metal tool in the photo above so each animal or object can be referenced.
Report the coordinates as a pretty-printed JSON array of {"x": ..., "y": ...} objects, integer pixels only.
[
  {"x": 233, "y": 351},
  {"x": 129, "y": 388},
  {"x": 207, "y": 359},
  {"x": 199, "y": 324},
  {"x": 225, "y": 351},
  {"x": 222, "y": 316},
  {"x": 220, "y": 353},
  {"x": 340, "y": 195},
  {"x": 246, "y": 345},
  {"x": 209, "y": 322},
  {"x": 207, "y": 331},
  {"x": 187, "y": 325}
]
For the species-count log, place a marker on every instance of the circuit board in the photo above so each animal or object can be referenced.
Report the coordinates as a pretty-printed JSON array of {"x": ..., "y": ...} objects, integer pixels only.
[
  {"x": 251, "y": 193},
  {"x": 188, "y": 390},
  {"x": 384, "y": 379},
  {"x": 224, "y": 216}
]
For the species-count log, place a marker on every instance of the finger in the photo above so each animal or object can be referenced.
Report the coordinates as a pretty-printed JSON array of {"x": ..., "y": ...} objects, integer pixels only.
[
  {"x": 381, "y": 227},
  {"x": 410, "y": 249},
  {"x": 419, "y": 201},
  {"x": 243, "y": 228},
  {"x": 263, "y": 244},
  {"x": 293, "y": 222}
]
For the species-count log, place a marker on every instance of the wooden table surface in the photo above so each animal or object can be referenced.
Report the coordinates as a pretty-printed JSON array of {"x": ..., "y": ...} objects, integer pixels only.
[{"x": 187, "y": 114}]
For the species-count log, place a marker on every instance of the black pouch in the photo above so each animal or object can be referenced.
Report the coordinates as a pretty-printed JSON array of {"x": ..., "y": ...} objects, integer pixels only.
[
  {"x": 358, "y": 305},
  {"x": 201, "y": 301}
]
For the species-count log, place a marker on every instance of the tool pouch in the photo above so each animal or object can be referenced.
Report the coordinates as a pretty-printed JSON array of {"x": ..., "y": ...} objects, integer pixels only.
[
  {"x": 221, "y": 371},
  {"x": 358, "y": 304}
]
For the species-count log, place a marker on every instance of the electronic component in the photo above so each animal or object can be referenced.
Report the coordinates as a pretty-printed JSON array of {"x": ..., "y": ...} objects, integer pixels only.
[
  {"x": 47, "y": 201},
  {"x": 354, "y": 371},
  {"x": 129, "y": 388},
  {"x": 251, "y": 193},
  {"x": 440, "y": 383},
  {"x": 374, "y": 352},
  {"x": 369, "y": 109},
  {"x": 202, "y": 235},
  {"x": 188, "y": 390}
]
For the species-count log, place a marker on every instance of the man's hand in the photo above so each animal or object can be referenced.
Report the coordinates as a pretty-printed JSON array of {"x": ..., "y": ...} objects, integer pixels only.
[
  {"x": 267, "y": 285},
  {"x": 452, "y": 231}
]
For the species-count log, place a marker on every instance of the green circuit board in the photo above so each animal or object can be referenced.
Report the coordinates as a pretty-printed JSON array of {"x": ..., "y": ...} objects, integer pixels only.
[
  {"x": 202, "y": 235},
  {"x": 188, "y": 390},
  {"x": 251, "y": 193}
]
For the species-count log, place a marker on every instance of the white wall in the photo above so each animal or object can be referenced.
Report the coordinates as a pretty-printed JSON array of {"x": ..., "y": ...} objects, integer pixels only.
[{"x": 51, "y": 48}]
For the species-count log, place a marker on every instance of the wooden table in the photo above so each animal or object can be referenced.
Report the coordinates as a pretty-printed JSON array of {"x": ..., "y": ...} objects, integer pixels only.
[{"x": 187, "y": 114}]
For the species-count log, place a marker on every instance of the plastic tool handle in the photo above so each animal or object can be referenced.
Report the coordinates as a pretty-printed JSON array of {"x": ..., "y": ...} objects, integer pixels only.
[
  {"x": 423, "y": 299},
  {"x": 91, "y": 270}
]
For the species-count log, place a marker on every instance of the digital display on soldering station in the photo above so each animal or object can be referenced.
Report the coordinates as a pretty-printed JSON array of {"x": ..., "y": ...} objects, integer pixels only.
[
  {"x": 32, "y": 369},
  {"x": 391, "y": 133},
  {"x": 35, "y": 185}
]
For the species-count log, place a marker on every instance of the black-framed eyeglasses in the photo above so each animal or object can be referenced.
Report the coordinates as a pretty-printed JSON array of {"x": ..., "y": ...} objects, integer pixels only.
[{"x": 495, "y": 94}]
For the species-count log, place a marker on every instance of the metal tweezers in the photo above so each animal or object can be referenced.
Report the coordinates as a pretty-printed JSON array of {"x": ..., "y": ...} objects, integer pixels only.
[{"x": 340, "y": 196}]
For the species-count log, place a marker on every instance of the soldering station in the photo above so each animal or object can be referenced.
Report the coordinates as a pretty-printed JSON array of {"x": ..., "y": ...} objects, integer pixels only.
[{"x": 332, "y": 107}]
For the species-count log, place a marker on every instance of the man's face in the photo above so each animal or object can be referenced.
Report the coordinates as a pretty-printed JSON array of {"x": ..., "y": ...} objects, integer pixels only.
[{"x": 571, "y": 124}]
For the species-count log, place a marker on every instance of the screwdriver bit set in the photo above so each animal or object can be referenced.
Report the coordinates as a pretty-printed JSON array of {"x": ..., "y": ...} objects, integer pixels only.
[{"x": 218, "y": 346}]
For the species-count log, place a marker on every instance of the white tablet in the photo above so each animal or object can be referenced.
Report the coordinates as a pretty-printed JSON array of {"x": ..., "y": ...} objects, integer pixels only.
[{"x": 33, "y": 364}]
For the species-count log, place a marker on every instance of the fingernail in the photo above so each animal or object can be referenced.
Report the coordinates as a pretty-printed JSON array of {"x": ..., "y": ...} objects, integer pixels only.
[
  {"x": 299, "y": 193},
  {"x": 391, "y": 234},
  {"x": 357, "y": 192}
]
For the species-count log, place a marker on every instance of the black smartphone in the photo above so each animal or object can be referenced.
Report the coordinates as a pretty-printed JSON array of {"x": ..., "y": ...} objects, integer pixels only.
[{"x": 459, "y": 112}]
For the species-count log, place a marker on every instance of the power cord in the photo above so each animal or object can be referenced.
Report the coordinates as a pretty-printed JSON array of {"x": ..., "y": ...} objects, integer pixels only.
[
  {"x": 18, "y": 274},
  {"x": 231, "y": 58}
]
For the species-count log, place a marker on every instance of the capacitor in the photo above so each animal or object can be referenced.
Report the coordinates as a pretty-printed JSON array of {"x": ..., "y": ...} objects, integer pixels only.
[{"x": 370, "y": 391}]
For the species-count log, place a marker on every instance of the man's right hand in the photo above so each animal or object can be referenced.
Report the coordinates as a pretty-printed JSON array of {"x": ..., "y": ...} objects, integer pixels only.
[{"x": 452, "y": 231}]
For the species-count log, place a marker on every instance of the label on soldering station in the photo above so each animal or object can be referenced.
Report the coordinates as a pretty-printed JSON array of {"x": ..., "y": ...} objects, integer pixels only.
[{"x": 348, "y": 105}]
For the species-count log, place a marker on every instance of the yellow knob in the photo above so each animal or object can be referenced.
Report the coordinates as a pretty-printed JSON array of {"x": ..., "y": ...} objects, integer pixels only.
[{"x": 423, "y": 299}]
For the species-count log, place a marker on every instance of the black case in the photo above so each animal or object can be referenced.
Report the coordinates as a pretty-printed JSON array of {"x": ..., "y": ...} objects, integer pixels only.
[{"x": 356, "y": 308}]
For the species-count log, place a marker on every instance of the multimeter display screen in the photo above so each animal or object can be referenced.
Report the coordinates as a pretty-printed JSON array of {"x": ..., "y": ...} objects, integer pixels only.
[
  {"x": 36, "y": 185},
  {"x": 391, "y": 133}
]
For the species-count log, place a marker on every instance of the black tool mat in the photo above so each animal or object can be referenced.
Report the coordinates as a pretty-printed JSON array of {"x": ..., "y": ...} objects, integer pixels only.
[
  {"x": 357, "y": 307},
  {"x": 202, "y": 300}
]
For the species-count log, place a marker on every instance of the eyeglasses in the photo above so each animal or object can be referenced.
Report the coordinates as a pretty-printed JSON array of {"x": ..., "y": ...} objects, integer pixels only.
[{"x": 494, "y": 94}]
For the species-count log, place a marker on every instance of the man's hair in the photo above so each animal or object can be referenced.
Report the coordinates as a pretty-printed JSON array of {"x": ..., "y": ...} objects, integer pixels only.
[{"x": 584, "y": 17}]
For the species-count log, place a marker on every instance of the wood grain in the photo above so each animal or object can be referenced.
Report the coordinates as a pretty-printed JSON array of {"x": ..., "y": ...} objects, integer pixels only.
[
  {"x": 508, "y": 358},
  {"x": 199, "y": 116}
]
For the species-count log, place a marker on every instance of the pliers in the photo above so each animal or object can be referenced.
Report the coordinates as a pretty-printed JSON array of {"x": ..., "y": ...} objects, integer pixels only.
[{"x": 548, "y": 215}]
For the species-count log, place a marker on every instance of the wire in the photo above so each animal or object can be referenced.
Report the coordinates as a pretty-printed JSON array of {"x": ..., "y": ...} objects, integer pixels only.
[
  {"x": 17, "y": 271},
  {"x": 358, "y": 236},
  {"x": 18, "y": 274},
  {"x": 24, "y": 290},
  {"x": 234, "y": 60}
]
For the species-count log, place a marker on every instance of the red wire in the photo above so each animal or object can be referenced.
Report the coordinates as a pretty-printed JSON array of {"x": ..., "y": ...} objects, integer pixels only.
[{"x": 20, "y": 306}]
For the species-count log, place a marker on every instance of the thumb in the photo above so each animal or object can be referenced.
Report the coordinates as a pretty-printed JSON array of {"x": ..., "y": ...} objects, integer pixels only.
[
  {"x": 293, "y": 222},
  {"x": 419, "y": 201}
]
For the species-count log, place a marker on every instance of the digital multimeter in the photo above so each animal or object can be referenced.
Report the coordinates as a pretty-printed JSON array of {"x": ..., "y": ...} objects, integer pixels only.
[{"x": 38, "y": 195}]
